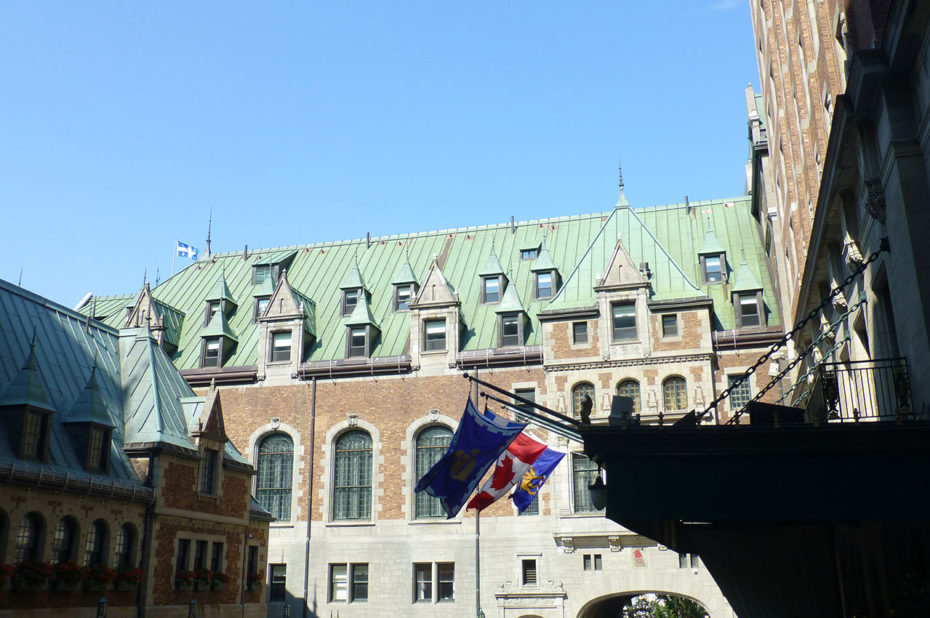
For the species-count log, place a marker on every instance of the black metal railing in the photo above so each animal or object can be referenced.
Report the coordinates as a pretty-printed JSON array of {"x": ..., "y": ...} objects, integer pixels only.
[{"x": 865, "y": 390}]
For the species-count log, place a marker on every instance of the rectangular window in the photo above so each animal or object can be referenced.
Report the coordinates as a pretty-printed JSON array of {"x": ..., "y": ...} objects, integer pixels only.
[
  {"x": 260, "y": 274},
  {"x": 592, "y": 562},
  {"x": 583, "y": 473},
  {"x": 200, "y": 555},
  {"x": 749, "y": 311},
  {"x": 510, "y": 330},
  {"x": 349, "y": 300},
  {"x": 492, "y": 290},
  {"x": 216, "y": 557},
  {"x": 529, "y": 254},
  {"x": 35, "y": 430},
  {"x": 403, "y": 294},
  {"x": 211, "y": 352},
  {"x": 183, "y": 557},
  {"x": 278, "y": 589},
  {"x": 624, "y": 321},
  {"x": 423, "y": 582},
  {"x": 260, "y": 305},
  {"x": 544, "y": 285},
  {"x": 209, "y": 470},
  {"x": 280, "y": 347},
  {"x": 98, "y": 450},
  {"x": 359, "y": 583},
  {"x": 528, "y": 572},
  {"x": 526, "y": 393},
  {"x": 338, "y": 583},
  {"x": 579, "y": 333},
  {"x": 435, "y": 335},
  {"x": 358, "y": 341},
  {"x": 532, "y": 508},
  {"x": 669, "y": 324},
  {"x": 688, "y": 560},
  {"x": 713, "y": 269},
  {"x": 741, "y": 395},
  {"x": 446, "y": 587},
  {"x": 213, "y": 307},
  {"x": 252, "y": 560}
]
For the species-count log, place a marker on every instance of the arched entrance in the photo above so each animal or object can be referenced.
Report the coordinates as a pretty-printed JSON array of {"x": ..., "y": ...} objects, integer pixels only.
[{"x": 642, "y": 605}]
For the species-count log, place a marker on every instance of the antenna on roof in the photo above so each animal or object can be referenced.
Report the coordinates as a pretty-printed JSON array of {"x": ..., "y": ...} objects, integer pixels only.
[
  {"x": 209, "y": 229},
  {"x": 20, "y": 283}
]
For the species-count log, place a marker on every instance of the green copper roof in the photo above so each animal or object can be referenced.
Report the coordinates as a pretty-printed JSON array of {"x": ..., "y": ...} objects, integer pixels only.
[
  {"x": 27, "y": 388},
  {"x": 218, "y": 327},
  {"x": 353, "y": 278},
  {"x": 361, "y": 314},
  {"x": 745, "y": 280},
  {"x": 265, "y": 288},
  {"x": 90, "y": 406},
  {"x": 404, "y": 274},
  {"x": 221, "y": 290},
  {"x": 669, "y": 238},
  {"x": 493, "y": 265},
  {"x": 275, "y": 257},
  {"x": 510, "y": 302},
  {"x": 543, "y": 261},
  {"x": 710, "y": 244}
]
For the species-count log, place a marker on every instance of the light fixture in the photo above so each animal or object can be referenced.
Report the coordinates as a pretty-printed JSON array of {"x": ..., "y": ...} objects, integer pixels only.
[{"x": 598, "y": 491}]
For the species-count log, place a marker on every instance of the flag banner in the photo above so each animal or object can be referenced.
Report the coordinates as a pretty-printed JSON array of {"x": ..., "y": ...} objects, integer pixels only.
[
  {"x": 187, "y": 251},
  {"x": 535, "y": 477},
  {"x": 511, "y": 466},
  {"x": 476, "y": 445}
]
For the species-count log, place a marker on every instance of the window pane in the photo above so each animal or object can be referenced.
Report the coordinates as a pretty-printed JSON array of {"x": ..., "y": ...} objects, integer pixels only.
[
  {"x": 352, "y": 472},
  {"x": 432, "y": 444},
  {"x": 712, "y": 269},
  {"x": 278, "y": 583},
  {"x": 533, "y": 507},
  {"x": 579, "y": 393},
  {"x": 211, "y": 353},
  {"x": 741, "y": 395},
  {"x": 200, "y": 555},
  {"x": 94, "y": 543},
  {"x": 281, "y": 346},
  {"x": 749, "y": 311},
  {"x": 630, "y": 388},
  {"x": 338, "y": 583},
  {"x": 584, "y": 472},
  {"x": 124, "y": 541},
  {"x": 435, "y": 334},
  {"x": 208, "y": 471},
  {"x": 349, "y": 300},
  {"x": 275, "y": 470},
  {"x": 34, "y": 429},
  {"x": 359, "y": 582},
  {"x": 676, "y": 396},
  {"x": 624, "y": 321},
  {"x": 597, "y": 562},
  {"x": 510, "y": 330},
  {"x": 669, "y": 325},
  {"x": 358, "y": 340},
  {"x": 404, "y": 294},
  {"x": 423, "y": 582},
  {"x": 492, "y": 290},
  {"x": 528, "y": 571},
  {"x": 63, "y": 543},
  {"x": 544, "y": 286},
  {"x": 446, "y": 588},
  {"x": 580, "y": 332}
]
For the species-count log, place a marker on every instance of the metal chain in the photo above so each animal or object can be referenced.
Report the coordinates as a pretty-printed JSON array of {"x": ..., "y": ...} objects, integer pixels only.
[{"x": 797, "y": 328}]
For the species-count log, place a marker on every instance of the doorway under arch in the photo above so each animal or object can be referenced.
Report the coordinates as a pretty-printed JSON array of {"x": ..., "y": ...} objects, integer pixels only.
[{"x": 613, "y": 605}]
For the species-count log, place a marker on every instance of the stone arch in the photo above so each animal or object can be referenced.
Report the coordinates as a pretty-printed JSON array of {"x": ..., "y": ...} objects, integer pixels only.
[
  {"x": 353, "y": 423},
  {"x": 297, "y": 479},
  {"x": 609, "y": 605},
  {"x": 408, "y": 469}
]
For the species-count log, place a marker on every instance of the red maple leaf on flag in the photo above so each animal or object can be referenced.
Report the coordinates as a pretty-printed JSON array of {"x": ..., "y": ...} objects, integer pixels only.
[{"x": 503, "y": 474}]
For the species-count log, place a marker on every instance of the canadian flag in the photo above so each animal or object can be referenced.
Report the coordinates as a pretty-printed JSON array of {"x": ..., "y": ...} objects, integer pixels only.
[{"x": 510, "y": 467}]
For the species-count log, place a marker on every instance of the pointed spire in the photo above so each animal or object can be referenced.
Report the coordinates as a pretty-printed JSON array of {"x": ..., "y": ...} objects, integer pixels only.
[
  {"x": 493, "y": 265},
  {"x": 221, "y": 290},
  {"x": 621, "y": 201},
  {"x": 510, "y": 302},
  {"x": 209, "y": 229},
  {"x": 90, "y": 406},
  {"x": 404, "y": 274},
  {"x": 27, "y": 387},
  {"x": 745, "y": 281},
  {"x": 711, "y": 245},
  {"x": 361, "y": 314},
  {"x": 353, "y": 278},
  {"x": 543, "y": 261}
]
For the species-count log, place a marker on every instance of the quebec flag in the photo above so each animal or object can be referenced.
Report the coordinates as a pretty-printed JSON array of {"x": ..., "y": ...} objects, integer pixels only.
[
  {"x": 187, "y": 251},
  {"x": 476, "y": 445}
]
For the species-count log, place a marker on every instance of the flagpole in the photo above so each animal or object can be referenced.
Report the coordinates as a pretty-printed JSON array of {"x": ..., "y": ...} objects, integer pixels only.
[
  {"x": 478, "y": 612},
  {"x": 174, "y": 256}
]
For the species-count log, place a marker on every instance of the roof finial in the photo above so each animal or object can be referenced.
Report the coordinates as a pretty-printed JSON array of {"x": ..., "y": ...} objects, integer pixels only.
[
  {"x": 621, "y": 201},
  {"x": 157, "y": 276},
  {"x": 620, "y": 172},
  {"x": 209, "y": 229},
  {"x": 145, "y": 277}
]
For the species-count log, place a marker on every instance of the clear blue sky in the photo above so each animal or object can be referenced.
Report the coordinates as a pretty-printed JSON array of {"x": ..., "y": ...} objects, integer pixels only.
[{"x": 122, "y": 123}]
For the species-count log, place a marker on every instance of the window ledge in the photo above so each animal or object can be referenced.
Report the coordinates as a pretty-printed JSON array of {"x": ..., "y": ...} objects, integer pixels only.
[
  {"x": 432, "y": 352},
  {"x": 350, "y": 524},
  {"x": 435, "y": 522}
]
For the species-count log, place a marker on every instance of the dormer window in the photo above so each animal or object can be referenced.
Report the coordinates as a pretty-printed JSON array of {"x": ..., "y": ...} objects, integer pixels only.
[
  {"x": 749, "y": 310},
  {"x": 545, "y": 285},
  {"x": 357, "y": 342},
  {"x": 213, "y": 307},
  {"x": 349, "y": 300},
  {"x": 261, "y": 273},
  {"x": 209, "y": 471},
  {"x": 434, "y": 337},
  {"x": 212, "y": 353},
  {"x": 529, "y": 254},
  {"x": 510, "y": 329},
  {"x": 98, "y": 450},
  {"x": 261, "y": 303},
  {"x": 491, "y": 290},
  {"x": 624, "y": 321},
  {"x": 403, "y": 295},
  {"x": 281, "y": 346},
  {"x": 713, "y": 268},
  {"x": 34, "y": 439}
]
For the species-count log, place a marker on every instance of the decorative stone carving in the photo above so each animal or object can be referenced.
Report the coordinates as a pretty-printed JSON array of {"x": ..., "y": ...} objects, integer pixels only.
[{"x": 875, "y": 201}]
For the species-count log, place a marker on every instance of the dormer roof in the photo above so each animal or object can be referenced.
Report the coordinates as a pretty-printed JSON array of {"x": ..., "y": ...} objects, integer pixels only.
[
  {"x": 221, "y": 291},
  {"x": 353, "y": 278},
  {"x": 436, "y": 291},
  {"x": 361, "y": 315},
  {"x": 543, "y": 261},
  {"x": 620, "y": 270},
  {"x": 404, "y": 274},
  {"x": 492, "y": 266},
  {"x": 510, "y": 302},
  {"x": 745, "y": 281},
  {"x": 711, "y": 245},
  {"x": 218, "y": 327},
  {"x": 265, "y": 288},
  {"x": 286, "y": 303},
  {"x": 90, "y": 406},
  {"x": 27, "y": 388}
]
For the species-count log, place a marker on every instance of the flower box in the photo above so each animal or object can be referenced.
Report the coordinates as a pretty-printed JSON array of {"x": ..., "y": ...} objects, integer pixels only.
[{"x": 31, "y": 575}]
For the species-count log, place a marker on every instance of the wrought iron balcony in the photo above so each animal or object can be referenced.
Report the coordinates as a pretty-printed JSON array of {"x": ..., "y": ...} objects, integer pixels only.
[{"x": 857, "y": 391}]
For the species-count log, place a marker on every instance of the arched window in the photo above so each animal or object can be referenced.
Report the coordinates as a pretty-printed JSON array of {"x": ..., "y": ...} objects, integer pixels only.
[
  {"x": 275, "y": 475},
  {"x": 65, "y": 540},
  {"x": 352, "y": 476},
  {"x": 124, "y": 551},
  {"x": 676, "y": 393},
  {"x": 95, "y": 543},
  {"x": 630, "y": 388},
  {"x": 28, "y": 538},
  {"x": 584, "y": 471},
  {"x": 432, "y": 444},
  {"x": 4, "y": 534},
  {"x": 579, "y": 392}
]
